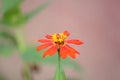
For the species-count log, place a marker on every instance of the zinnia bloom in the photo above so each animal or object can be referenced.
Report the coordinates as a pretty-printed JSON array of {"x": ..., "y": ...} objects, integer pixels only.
[{"x": 58, "y": 41}]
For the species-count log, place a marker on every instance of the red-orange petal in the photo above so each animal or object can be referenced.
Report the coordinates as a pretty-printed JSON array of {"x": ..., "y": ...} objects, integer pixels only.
[
  {"x": 44, "y": 40},
  {"x": 44, "y": 46},
  {"x": 51, "y": 51},
  {"x": 66, "y": 33},
  {"x": 48, "y": 36},
  {"x": 63, "y": 52},
  {"x": 77, "y": 42},
  {"x": 70, "y": 53},
  {"x": 71, "y": 49}
]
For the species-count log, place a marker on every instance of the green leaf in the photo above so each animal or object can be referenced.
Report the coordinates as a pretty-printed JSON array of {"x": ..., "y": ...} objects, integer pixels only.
[
  {"x": 6, "y": 49},
  {"x": 12, "y": 17},
  {"x": 7, "y": 44},
  {"x": 62, "y": 74},
  {"x": 9, "y": 4},
  {"x": 7, "y": 35},
  {"x": 1, "y": 22},
  {"x": 12, "y": 13},
  {"x": 2, "y": 77},
  {"x": 37, "y": 10},
  {"x": 72, "y": 64},
  {"x": 33, "y": 56}
]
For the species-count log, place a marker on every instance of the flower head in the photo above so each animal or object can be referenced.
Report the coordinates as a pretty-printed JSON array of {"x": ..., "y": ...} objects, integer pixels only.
[{"x": 58, "y": 41}]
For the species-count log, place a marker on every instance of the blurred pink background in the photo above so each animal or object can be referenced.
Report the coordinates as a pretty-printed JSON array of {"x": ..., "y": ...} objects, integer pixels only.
[{"x": 95, "y": 22}]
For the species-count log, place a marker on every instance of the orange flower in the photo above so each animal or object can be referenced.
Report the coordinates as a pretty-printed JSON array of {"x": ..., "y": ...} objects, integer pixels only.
[{"x": 58, "y": 41}]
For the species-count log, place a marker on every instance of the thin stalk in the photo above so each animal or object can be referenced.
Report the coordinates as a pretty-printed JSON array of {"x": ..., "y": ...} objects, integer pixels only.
[
  {"x": 22, "y": 48},
  {"x": 26, "y": 73},
  {"x": 19, "y": 40},
  {"x": 59, "y": 64}
]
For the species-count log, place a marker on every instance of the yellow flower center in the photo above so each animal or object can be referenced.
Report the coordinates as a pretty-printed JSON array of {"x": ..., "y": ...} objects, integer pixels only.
[{"x": 59, "y": 38}]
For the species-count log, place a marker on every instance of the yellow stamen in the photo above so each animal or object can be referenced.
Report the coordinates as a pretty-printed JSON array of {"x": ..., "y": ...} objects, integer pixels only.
[{"x": 59, "y": 38}]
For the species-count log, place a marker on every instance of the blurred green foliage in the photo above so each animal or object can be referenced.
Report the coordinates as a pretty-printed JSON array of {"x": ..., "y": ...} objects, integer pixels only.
[
  {"x": 7, "y": 43},
  {"x": 9, "y": 4},
  {"x": 13, "y": 16},
  {"x": 2, "y": 77}
]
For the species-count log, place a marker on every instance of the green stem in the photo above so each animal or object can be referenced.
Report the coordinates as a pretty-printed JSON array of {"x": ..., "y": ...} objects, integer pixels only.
[
  {"x": 26, "y": 73},
  {"x": 19, "y": 40},
  {"x": 59, "y": 64},
  {"x": 22, "y": 48}
]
